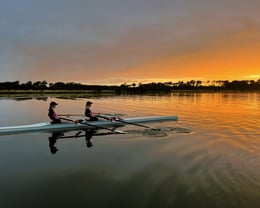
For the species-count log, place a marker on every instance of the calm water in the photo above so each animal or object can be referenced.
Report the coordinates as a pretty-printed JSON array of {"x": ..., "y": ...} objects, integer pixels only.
[{"x": 217, "y": 164}]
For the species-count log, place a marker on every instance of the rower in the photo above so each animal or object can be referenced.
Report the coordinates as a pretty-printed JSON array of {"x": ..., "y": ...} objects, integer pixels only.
[
  {"x": 52, "y": 114},
  {"x": 88, "y": 136},
  {"x": 89, "y": 113}
]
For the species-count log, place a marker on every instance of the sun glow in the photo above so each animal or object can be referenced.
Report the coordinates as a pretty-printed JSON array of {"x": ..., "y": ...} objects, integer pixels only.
[{"x": 253, "y": 76}]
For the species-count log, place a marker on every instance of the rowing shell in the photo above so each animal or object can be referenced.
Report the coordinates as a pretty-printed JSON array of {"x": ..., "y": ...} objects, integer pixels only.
[{"x": 43, "y": 127}]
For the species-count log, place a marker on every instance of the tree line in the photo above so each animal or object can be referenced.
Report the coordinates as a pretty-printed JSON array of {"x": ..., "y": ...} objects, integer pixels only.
[{"x": 137, "y": 88}]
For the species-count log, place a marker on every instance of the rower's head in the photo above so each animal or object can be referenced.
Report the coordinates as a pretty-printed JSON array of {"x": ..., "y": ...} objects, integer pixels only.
[
  {"x": 89, "y": 144},
  {"x": 53, "y": 104},
  {"x": 53, "y": 149},
  {"x": 88, "y": 104}
]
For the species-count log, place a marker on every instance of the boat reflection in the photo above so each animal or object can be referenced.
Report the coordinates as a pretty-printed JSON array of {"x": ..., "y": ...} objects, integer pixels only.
[{"x": 88, "y": 134}]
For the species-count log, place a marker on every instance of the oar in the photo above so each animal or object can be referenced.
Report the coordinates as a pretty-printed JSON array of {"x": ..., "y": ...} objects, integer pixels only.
[
  {"x": 67, "y": 119},
  {"x": 79, "y": 136},
  {"x": 108, "y": 114},
  {"x": 135, "y": 124},
  {"x": 96, "y": 126},
  {"x": 107, "y": 118},
  {"x": 67, "y": 115},
  {"x": 126, "y": 122}
]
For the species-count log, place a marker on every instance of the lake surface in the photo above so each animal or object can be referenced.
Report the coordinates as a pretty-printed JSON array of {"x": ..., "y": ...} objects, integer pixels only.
[{"x": 209, "y": 158}]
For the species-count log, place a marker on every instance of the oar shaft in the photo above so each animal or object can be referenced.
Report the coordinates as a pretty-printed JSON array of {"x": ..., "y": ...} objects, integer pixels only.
[
  {"x": 136, "y": 124},
  {"x": 67, "y": 115},
  {"x": 92, "y": 125},
  {"x": 101, "y": 127},
  {"x": 122, "y": 121},
  {"x": 96, "y": 114},
  {"x": 105, "y": 117},
  {"x": 96, "y": 126},
  {"x": 67, "y": 119}
]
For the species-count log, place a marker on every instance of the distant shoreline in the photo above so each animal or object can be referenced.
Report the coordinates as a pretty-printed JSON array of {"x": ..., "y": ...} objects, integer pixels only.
[
  {"x": 42, "y": 87},
  {"x": 114, "y": 92}
]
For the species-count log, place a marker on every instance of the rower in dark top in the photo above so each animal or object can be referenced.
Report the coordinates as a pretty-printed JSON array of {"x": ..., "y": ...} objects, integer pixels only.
[
  {"x": 89, "y": 113},
  {"x": 53, "y": 116}
]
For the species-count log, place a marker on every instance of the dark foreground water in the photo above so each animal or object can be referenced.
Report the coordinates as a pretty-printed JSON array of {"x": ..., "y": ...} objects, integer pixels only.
[{"x": 209, "y": 158}]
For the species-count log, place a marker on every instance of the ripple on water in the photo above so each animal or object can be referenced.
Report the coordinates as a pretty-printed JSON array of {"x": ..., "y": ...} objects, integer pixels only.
[
  {"x": 160, "y": 132},
  {"x": 235, "y": 167}
]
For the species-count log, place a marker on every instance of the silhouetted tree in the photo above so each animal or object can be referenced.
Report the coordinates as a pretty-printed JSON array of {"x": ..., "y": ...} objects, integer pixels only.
[{"x": 141, "y": 88}]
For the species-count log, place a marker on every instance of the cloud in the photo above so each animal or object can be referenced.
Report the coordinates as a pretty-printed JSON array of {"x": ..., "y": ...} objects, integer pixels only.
[
  {"x": 97, "y": 40},
  {"x": 234, "y": 56}
]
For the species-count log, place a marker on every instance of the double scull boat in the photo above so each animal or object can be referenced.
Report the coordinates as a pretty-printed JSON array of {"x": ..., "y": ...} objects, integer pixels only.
[{"x": 69, "y": 126}]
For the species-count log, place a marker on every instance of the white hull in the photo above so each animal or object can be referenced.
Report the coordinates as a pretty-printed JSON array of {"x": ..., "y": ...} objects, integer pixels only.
[{"x": 43, "y": 127}]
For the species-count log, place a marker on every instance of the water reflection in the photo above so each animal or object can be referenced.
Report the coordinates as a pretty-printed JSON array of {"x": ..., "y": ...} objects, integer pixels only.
[
  {"x": 52, "y": 141},
  {"x": 87, "y": 134}
]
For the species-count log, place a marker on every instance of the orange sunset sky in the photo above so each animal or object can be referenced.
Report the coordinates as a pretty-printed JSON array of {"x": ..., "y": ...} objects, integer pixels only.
[{"x": 112, "y": 41}]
